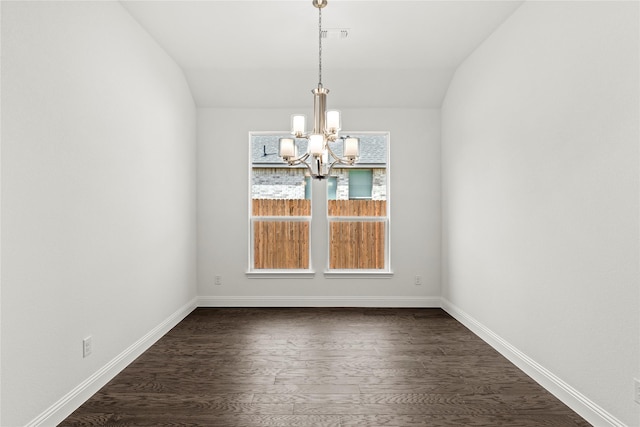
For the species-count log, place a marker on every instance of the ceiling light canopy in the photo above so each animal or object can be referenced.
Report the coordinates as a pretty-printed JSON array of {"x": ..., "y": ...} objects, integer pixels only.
[{"x": 319, "y": 158}]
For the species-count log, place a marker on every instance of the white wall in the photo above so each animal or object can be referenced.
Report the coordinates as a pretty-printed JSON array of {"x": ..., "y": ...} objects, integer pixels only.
[
  {"x": 98, "y": 195},
  {"x": 223, "y": 230},
  {"x": 540, "y": 193}
]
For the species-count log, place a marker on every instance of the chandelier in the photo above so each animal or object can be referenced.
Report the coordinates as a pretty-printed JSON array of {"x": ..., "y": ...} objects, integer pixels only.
[{"x": 319, "y": 158}]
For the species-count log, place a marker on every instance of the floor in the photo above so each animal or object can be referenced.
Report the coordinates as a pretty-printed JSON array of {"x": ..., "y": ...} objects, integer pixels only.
[{"x": 322, "y": 367}]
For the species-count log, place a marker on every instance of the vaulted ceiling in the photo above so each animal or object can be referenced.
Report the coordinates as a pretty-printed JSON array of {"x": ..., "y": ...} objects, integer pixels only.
[{"x": 263, "y": 54}]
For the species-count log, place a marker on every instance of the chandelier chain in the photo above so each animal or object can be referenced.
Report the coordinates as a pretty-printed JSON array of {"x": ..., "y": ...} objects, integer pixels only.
[{"x": 320, "y": 47}]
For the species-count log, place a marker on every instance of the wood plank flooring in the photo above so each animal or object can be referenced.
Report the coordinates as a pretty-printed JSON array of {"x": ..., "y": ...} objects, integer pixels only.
[{"x": 322, "y": 367}]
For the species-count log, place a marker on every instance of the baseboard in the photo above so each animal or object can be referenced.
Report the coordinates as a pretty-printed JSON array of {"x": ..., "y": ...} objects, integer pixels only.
[
  {"x": 571, "y": 397},
  {"x": 586, "y": 408},
  {"x": 76, "y": 397},
  {"x": 318, "y": 301}
]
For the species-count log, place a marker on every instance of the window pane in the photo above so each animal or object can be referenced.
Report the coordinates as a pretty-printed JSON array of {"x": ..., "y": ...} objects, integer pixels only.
[
  {"x": 357, "y": 244},
  {"x": 281, "y": 244},
  {"x": 280, "y": 209},
  {"x": 358, "y": 214}
]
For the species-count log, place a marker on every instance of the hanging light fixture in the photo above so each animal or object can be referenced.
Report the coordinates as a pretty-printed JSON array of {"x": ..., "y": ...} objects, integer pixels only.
[{"x": 319, "y": 157}]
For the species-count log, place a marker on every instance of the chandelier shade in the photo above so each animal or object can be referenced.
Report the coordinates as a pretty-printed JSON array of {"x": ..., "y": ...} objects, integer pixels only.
[
  {"x": 319, "y": 158},
  {"x": 351, "y": 148},
  {"x": 298, "y": 125},
  {"x": 287, "y": 148}
]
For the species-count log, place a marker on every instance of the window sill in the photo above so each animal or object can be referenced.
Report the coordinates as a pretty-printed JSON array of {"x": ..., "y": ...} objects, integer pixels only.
[
  {"x": 280, "y": 274},
  {"x": 358, "y": 274}
]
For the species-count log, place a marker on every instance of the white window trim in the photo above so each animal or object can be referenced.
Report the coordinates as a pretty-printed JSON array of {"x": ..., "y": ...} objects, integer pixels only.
[
  {"x": 365, "y": 273},
  {"x": 387, "y": 272},
  {"x": 260, "y": 273},
  {"x": 280, "y": 274},
  {"x": 358, "y": 274},
  {"x": 328, "y": 273}
]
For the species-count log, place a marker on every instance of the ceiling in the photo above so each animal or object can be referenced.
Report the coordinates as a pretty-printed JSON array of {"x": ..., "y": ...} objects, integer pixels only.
[{"x": 264, "y": 54}]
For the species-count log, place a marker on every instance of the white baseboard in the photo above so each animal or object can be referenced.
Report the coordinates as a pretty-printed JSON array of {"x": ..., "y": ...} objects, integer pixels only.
[
  {"x": 76, "y": 397},
  {"x": 590, "y": 411},
  {"x": 318, "y": 301},
  {"x": 571, "y": 397}
]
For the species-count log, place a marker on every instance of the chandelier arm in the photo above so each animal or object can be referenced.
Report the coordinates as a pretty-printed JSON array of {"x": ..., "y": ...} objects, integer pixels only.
[
  {"x": 299, "y": 160},
  {"x": 330, "y": 150},
  {"x": 331, "y": 168},
  {"x": 339, "y": 159},
  {"x": 336, "y": 162},
  {"x": 302, "y": 160},
  {"x": 309, "y": 167}
]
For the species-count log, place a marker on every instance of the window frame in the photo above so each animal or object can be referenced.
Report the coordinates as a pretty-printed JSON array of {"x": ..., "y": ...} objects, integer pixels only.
[
  {"x": 253, "y": 272},
  {"x": 387, "y": 272},
  {"x": 328, "y": 273}
]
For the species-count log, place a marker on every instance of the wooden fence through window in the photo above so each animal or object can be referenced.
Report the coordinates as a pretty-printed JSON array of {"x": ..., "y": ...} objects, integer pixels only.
[
  {"x": 281, "y": 207},
  {"x": 357, "y": 208},
  {"x": 283, "y": 244},
  {"x": 356, "y": 244}
]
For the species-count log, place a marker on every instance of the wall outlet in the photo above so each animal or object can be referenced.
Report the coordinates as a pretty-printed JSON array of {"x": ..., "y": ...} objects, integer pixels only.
[
  {"x": 86, "y": 346},
  {"x": 218, "y": 280},
  {"x": 418, "y": 280},
  {"x": 636, "y": 390}
]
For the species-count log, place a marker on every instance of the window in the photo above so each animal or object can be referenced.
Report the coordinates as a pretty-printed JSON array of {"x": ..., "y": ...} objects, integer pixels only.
[
  {"x": 358, "y": 211},
  {"x": 280, "y": 210},
  {"x": 357, "y": 216},
  {"x": 360, "y": 184}
]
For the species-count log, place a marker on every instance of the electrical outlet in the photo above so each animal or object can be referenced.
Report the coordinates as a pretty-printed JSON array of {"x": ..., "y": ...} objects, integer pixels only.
[
  {"x": 218, "y": 280},
  {"x": 86, "y": 346},
  {"x": 636, "y": 390},
  {"x": 418, "y": 280}
]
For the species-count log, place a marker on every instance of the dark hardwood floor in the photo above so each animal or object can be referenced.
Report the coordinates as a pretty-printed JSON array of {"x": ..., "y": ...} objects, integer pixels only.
[{"x": 322, "y": 367}]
